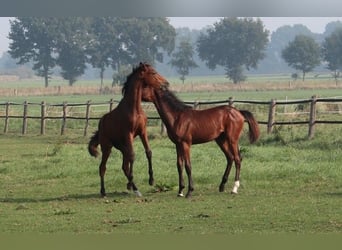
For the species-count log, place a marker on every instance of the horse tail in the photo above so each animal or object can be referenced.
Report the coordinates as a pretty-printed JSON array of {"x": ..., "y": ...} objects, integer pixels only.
[
  {"x": 254, "y": 131},
  {"x": 93, "y": 143}
]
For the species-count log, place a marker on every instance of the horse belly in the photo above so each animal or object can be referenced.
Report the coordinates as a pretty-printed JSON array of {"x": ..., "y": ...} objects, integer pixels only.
[
  {"x": 205, "y": 133},
  {"x": 204, "y": 137}
]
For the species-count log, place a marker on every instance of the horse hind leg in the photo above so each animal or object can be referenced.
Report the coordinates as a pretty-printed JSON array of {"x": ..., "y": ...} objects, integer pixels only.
[
  {"x": 148, "y": 153},
  {"x": 226, "y": 174},
  {"x": 127, "y": 167},
  {"x": 223, "y": 144},
  {"x": 237, "y": 160},
  {"x": 102, "y": 168}
]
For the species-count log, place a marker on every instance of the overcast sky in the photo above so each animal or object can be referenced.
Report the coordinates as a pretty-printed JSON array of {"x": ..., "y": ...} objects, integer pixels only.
[{"x": 315, "y": 24}]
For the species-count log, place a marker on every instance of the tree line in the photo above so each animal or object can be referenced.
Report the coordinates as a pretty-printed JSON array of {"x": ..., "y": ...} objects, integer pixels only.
[
  {"x": 233, "y": 44},
  {"x": 72, "y": 42}
]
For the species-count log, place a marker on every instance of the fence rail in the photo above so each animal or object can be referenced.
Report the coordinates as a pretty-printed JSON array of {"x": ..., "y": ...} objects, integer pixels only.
[{"x": 266, "y": 116}]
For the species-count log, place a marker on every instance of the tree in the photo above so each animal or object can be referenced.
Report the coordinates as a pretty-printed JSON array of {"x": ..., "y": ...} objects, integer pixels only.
[
  {"x": 105, "y": 47},
  {"x": 303, "y": 53},
  {"x": 33, "y": 39},
  {"x": 120, "y": 42},
  {"x": 183, "y": 60},
  {"x": 331, "y": 51},
  {"x": 72, "y": 43},
  {"x": 144, "y": 38},
  {"x": 235, "y": 44}
]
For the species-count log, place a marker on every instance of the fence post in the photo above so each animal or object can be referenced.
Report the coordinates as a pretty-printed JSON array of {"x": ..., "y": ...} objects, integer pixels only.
[
  {"x": 312, "y": 120},
  {"x": 87, "y": 118},
  {"x": 42, "y": 118},
  {"x": 24, "y": 128},
  {"x": 7, "y": 117},
  {"x": 65, "y": 105},
  {"x": 231, "y": 101},
  {"x": 271, "y": 115}
]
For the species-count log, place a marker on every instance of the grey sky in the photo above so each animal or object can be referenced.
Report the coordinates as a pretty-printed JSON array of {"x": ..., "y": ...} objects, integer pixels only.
[{"x": 315, "y": 24}]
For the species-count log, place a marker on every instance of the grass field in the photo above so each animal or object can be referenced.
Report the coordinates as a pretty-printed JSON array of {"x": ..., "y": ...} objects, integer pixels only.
[
  {"x": 51, "y": 185},
  {"x": 289, "y": 184}
]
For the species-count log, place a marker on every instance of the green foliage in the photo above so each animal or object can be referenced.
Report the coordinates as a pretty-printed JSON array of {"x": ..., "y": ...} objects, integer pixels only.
[
  {"x": 33, "y": 39},
  {"x": 303, "y": 53},
  {"x": 331, "y": 47},
  {"x": 73, "y": 41},
  {"x": 145, "y": 37},
  {"x": 183, "y": 60},
  {"x": 233, "y": 43}
]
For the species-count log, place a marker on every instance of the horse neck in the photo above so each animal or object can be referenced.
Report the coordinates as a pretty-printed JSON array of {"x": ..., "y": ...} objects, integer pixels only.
[
  {"x": 132, "y": 97},
  {"x": 167, "y": 112}
]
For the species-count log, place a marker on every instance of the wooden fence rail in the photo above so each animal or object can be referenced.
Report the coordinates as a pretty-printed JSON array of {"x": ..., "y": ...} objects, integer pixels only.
[{"x": 64, "y": 115}]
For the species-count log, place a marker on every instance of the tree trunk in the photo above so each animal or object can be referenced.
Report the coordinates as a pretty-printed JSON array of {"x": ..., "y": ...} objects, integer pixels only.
[{"x": 46, "y": 79}]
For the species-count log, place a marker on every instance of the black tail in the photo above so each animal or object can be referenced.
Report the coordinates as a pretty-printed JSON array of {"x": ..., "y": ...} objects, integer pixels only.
[
  {"x": 254, "y": 131},
  {"x": 93, "y": 143}
]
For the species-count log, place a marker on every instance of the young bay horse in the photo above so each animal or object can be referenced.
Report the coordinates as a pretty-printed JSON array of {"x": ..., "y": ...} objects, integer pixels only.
[
  {"x": 119, "y": 127},
  {"x": 186, "y": 126}
]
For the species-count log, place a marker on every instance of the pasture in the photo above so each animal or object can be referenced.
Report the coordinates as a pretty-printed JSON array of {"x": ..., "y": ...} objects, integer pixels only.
[
  {"x": 289, "y": 184},
  {"x": 49, "y": 184}
]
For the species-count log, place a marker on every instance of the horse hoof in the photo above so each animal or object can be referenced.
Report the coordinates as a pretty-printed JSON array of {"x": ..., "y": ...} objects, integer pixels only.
[
  {"x": 234, "y": 192},
  {"x": 151, "y": 182},
  {"x": 180, "y": 195},
  {"x": 188, "y": 195},
  {"x": 221, "y": 189},
  {"x": 129, "y": 186},
  {"x": 137, "y": 193}
]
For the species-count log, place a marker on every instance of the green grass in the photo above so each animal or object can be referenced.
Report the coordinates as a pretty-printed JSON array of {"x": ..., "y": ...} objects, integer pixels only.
[{"x": 49, "y": 184}]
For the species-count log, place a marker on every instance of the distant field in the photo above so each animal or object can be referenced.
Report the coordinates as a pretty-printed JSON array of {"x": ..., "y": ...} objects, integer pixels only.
[{"x": 257, "y": 87}]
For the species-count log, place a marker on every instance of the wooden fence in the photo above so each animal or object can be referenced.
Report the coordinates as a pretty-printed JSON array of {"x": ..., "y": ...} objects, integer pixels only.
[{"x": 268, "y": 115}]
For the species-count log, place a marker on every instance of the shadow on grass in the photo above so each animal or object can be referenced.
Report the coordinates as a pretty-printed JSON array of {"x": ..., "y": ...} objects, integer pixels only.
[
  {"x": 64, "y": 198},
  {"x": 336, "y": 194}
]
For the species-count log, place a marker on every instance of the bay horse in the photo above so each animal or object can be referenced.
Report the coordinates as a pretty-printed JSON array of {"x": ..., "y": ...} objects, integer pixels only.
[
  {"x": 119, "y": 127},
  {"x": 186, "y": 126}
]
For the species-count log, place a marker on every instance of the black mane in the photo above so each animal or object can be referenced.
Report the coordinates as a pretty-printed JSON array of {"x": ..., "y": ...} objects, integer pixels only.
[
  {"x": 173, "y": 100},
  {"x": 127, "y": 83}
]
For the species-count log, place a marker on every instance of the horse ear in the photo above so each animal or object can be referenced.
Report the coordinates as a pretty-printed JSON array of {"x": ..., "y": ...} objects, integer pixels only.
[{"x": 142, "y": 71}]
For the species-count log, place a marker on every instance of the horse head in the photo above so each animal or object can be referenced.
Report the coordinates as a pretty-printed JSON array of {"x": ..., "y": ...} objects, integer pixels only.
[
  {"x": 151, "y": 80},
  {"x": 150, "y": 77}
]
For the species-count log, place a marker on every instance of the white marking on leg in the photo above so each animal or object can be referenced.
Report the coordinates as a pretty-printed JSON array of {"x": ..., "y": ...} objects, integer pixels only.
[
  {"x": 180, "y": 194},
  {"x": 137, "y": 192},
  {"x": 236, "y": 186}
]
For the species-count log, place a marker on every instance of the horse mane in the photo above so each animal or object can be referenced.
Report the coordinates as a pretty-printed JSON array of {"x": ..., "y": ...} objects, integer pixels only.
[
  {"x": 173, "y": 100},
  {"x": 127, "y": 83}
]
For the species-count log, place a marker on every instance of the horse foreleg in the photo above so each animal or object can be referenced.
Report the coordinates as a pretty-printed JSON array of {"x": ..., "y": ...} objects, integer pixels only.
[
  {"x": 180, "y": 173},
  {"x": 102, "y": 169},
  {"x": 190, "y": 183},
  {"x": 186, "y": 156},
  {"x": 148, "y": 153}
]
